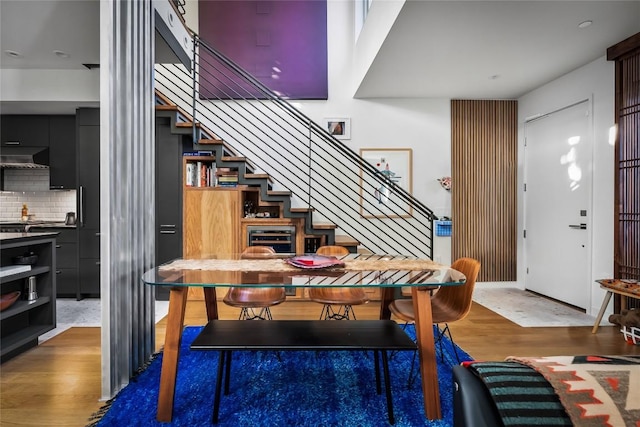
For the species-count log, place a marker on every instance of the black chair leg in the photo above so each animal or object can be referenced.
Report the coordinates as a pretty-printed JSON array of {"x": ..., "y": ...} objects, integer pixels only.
[{"x": 455, "y": 348}]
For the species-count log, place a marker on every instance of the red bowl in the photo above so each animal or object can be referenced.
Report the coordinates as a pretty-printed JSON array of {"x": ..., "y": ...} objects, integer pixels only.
[{"x": 7, "y": 300}]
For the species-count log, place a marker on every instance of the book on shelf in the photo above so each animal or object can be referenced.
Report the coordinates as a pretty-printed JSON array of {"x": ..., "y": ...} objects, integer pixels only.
[
  {"x": 200, "y": 174},
  {"x": 199, "y": 153}
]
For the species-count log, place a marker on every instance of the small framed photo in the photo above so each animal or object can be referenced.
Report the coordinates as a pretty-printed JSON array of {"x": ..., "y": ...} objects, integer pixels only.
[{"x": 339, "y": 128}]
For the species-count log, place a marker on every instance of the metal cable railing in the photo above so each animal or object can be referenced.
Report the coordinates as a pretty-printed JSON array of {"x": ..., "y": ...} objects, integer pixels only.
[{"x": 299, "y": 155}]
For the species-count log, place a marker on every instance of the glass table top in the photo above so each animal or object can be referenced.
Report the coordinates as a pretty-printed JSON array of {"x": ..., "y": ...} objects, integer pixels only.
[{"x": 304, "y": 271}]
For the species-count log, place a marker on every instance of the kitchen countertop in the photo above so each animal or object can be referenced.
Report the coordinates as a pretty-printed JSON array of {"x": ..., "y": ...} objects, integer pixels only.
[
  {"x": 57, "y": 224},
  {"x": 4, "y": 237},
  {"x": 31, "y": 224}
]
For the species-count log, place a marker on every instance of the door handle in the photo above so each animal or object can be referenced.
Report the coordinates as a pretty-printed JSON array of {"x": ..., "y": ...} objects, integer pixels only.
[{"x": 578, "y": 226}]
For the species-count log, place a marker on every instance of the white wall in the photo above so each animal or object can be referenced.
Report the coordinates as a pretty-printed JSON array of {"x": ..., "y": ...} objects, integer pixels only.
[{"x": 596, "y": 81}]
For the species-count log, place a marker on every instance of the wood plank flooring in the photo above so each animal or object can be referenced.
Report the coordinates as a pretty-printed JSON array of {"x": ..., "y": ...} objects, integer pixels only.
[{"x": 58, "y": 382}]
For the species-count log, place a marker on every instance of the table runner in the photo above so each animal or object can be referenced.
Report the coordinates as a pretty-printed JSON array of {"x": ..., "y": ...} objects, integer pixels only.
[{"x": 279, "y": 265}]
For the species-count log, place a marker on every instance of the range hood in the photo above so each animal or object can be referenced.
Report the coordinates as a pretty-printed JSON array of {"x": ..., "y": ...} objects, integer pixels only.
[{"x": 24, "y": 158}]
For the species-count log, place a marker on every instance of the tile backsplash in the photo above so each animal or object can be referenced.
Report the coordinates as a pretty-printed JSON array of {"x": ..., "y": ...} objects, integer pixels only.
[{"x": 31, "y": 187}]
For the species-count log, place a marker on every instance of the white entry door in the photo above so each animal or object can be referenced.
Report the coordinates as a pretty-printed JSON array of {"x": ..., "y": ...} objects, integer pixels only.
[{"x": 558, "y": 163}]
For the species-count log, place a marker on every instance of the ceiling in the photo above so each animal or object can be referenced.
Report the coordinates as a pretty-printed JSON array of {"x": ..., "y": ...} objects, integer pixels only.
[
  {"x": 492, "y": 49},
  {"x": 453, "y": 49}
]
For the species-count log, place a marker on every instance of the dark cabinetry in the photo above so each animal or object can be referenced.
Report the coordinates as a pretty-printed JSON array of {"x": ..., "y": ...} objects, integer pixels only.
[
  {"x": 22, "y": 323},
  {"x": 62, "y": 152},
  {"x": 66, "y": 259},
  {"x": 24, "y": 130},
  {"x": 88, "y": 209},
  {"x": 58, "y": 132},
  {"x": 169, "y": 149}
]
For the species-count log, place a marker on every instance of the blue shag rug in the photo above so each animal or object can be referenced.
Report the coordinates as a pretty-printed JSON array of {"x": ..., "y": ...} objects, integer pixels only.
[{"x": 303, "y": 388}]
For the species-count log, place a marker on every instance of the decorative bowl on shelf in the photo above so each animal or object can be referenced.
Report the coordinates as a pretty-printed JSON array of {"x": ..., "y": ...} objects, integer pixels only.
[
  {"x": 7, "y": 300},
  {"x": 26, "y": 259}
]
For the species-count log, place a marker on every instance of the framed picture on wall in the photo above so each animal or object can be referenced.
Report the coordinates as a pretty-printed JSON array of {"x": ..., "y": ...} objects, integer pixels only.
[
  {"x": 338, "y": 127},
  {"x": 379, "y": 195}
]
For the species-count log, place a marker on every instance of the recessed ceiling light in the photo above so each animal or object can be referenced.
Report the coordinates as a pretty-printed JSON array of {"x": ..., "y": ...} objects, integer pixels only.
[
  {"x": 585, "y": 24},
  {"x": 12, "y": 54},
  {"x": 61, "y": 54}
]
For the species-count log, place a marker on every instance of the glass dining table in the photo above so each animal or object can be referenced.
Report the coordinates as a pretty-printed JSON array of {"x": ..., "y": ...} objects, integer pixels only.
[{"x": 381, "y": 271}]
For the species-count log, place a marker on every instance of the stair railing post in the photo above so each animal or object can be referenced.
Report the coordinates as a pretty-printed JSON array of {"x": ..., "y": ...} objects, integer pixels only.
[
  {"x": 309, "y": 174},
  {"x": 193, "y": 93}
]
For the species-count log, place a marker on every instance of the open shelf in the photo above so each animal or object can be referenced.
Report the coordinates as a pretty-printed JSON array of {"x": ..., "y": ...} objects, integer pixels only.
[{"x": 21, "y": 306}]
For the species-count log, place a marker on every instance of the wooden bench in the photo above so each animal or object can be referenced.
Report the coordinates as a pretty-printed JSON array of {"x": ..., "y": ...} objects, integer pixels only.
[
  {"x": 319, "y": 335},
  {"x": 626, "y": 288}
]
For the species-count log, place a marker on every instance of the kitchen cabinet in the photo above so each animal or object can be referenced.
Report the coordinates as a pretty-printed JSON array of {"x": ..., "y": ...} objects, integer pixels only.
[
  {"x": 88, "y": 200},
  {"x": 62, "y": 152},
  {"x": 24, "y": 321},
  {"x": 169, "y": 149},
  {"x": 66, "y": 259},
  {"x": 24, "y": 130}
]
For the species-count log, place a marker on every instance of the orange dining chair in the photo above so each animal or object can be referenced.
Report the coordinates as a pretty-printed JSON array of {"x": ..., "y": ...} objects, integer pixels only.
[
  {"x": 249, "y": 298},
  {"x": 448, "y": 303},
  {"x": 344, "y": 298}
]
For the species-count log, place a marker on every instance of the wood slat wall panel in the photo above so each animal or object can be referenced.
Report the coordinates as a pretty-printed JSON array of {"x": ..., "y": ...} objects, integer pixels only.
[
  {"x": 484, "y": 139},
  {"x": 627, "y": 203}
]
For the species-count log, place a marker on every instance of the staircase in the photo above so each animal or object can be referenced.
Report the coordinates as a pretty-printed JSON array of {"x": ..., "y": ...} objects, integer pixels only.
[
  {"x": 293, "y": 161},
  {"x": 181, "y": 123}
]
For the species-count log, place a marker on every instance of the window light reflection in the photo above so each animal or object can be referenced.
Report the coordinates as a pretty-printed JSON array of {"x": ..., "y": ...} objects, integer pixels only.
[
  {"x": 613, "y": 131},
  {"x": 574, "y": 171},
  {"x": 574, "y": 140}
]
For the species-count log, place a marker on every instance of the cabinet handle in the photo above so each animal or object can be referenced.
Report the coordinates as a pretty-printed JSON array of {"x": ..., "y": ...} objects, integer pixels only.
[
  {"x": 97, "y": 262},
  {"x": 12, "y": 143},
  {"x": 58, "y": 271},
  {"x": 168, "y": 225},
  {"x": 58, "y": 246},
  {"x": 81, "y": 205},
  {"x": 167, "y": 232},
  {"x": 56, "y": 187}
]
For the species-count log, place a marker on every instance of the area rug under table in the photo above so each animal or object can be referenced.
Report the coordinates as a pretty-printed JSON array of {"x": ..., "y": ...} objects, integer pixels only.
[{"x": 288, "y": 388}]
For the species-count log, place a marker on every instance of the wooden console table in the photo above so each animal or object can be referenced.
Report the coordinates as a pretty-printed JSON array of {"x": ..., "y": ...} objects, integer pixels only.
[{"x": 624, "y": 288}]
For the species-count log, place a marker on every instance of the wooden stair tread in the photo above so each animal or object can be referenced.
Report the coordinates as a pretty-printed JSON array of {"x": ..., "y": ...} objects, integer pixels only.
[
  {"x": 167, "y": 107},
  {"x": 341, "y": 240},
  {"x": 259, "y": 176},
  {"x": 303, "y": 210},
  {"x": 233, "y": 159},
  {"x": 278, "y": 193},
  {"x": 187, "y": 124},
  {"x": 324, "y": 226},
  {"x": 216, "y": 141}
]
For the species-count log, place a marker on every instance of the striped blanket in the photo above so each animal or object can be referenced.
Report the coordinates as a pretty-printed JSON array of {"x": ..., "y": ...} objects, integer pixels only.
[{"x": 565, "y": 390}]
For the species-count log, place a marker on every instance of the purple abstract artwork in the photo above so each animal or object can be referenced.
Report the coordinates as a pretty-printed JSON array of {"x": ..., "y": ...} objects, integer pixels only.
[{"x": 283, "y": 44}]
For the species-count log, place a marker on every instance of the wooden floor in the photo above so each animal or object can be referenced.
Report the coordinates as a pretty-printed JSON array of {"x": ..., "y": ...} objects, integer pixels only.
[{"x": 58, "y": 382}]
